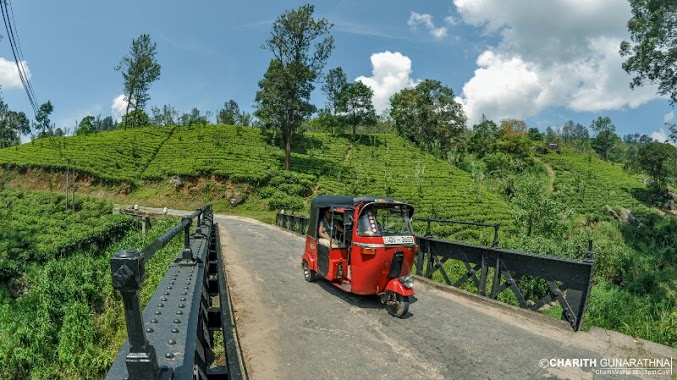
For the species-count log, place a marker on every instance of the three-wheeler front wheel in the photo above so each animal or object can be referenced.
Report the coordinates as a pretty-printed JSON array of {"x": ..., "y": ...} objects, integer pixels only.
[{"x": 397, "y": 304}]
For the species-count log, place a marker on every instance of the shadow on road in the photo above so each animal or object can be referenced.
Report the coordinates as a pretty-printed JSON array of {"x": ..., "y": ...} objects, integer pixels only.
[{"x": 364, "y": 302}]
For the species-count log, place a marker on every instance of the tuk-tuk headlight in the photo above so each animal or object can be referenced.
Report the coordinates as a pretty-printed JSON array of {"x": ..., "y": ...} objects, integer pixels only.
[{"x": 407, "y": 281}]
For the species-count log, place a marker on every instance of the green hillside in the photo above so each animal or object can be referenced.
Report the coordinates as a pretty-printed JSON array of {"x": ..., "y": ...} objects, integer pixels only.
[
  {"x": 185, "y": 167},
  {"x": 322, "y": 164},
  {"x": 588, "y": 183},
  {"x": 112, "y": 156}
]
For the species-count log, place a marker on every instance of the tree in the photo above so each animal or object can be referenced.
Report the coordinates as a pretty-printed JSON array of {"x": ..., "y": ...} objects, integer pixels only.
[
  {"x": 356, "y": 106},
  {"x": 327, "y": 121},
  {"x": 86, "y": 126},
  {"x": 429, "y": 115},
  {"x": 484, "y": 136},
  {"x": 139, "y": 70},
  {"x": 165, "y": 116},
  {"x": 135, "y": 117},
  {"x": 42, "y": 122},
  {"x": 334, "y": 84},
  {"x": 195, "y": 118},
  {"x": 535, "y": 135},
  {"x": 12, "y": 125},
  {"x": 230, "y": 115},
  {"x": 300, "y": 45},
  {"x": 537, "y": 211},
  {"x": 652, "y": 55},
  {"x": 580, "y": 137},
  {"x": 605, "y": 136},
  {"x": 657, "y": 159},
  {"x": 514, "y": 138}
]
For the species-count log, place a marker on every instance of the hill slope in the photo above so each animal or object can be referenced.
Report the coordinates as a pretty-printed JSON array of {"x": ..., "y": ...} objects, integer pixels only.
[
  {"x": 185, "y": 167},
  {"x": 321, "y": 164}
]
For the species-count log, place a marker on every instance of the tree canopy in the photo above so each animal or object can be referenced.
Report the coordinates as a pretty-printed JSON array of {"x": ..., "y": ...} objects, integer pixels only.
[
  {"x": 657, "y": 159},
  {"x": 334, "y": 83},
  {"x": 300, "y": 45},
  {"x": 356, "y": 105},
  {"x": 605, "y": 136},
  {"x": 139, "y": 70},
  {"x": 652, "y": 54},
  {"x": 12, "y": 125},
  {"x": 428, "y": 114}
]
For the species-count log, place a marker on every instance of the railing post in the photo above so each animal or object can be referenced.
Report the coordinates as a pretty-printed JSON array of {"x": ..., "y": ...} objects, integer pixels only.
[
  {"x": 494, "y": 244},
  {"x": 186, "y": 253},
  {"x": 128, "y": 271}
]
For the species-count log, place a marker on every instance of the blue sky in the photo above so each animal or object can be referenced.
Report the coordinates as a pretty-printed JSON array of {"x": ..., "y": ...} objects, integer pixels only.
[{"x": 546, "y": 62}]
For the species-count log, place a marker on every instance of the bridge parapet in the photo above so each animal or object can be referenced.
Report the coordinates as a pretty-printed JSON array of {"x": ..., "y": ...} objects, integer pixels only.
[
  {"x": 568, "y": 281},
  {"x": 172, "y": 338}
]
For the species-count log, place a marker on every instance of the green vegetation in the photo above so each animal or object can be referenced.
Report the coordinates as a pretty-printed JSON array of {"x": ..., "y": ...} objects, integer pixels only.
[
  {"x": 36, "y": 228},
  {"x": 117, "y": 156},
  {"x": 60, "y": 318},
  {"x": 587, "y": 183},
  {"x": 547, "y": 203},
  {"x": 236, "y": 153}
]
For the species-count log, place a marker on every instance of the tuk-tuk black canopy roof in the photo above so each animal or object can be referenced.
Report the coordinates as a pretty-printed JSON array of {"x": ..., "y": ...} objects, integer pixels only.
[
  {"x": 323, "y": 201},
  {"x": 326, "y": 201}
]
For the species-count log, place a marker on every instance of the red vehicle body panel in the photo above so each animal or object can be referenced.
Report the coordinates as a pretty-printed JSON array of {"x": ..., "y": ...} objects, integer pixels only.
[{"x": 368, "y": 273}]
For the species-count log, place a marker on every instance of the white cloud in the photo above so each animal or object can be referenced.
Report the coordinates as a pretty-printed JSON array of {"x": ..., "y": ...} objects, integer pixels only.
[
  {"x": 669, "y": 117},
  {"x": 391, "y": 72},
  {"x": 551, "y": 54},
  {"x": 661, "y": 136},
  {"x": 426, "y": 20},
  {"x": 119, "y": 107},
  {"x": 9, "y": 75}
]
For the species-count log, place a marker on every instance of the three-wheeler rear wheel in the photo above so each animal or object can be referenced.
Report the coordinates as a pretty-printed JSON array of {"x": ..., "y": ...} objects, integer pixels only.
[{"x": 308, "y": 273}]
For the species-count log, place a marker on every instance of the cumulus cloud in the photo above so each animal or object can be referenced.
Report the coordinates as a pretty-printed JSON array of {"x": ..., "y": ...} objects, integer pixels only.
[
  {"x": 391, "y": 72},
  {"x": 416, "y": 19},
  {"x": 662, "y": 136},
  {"x": 669, "y": 117},
  {"x": 9, "y": 75},
  {"x": 119, "y": 107},
  {"x": 550, "y": 54}
]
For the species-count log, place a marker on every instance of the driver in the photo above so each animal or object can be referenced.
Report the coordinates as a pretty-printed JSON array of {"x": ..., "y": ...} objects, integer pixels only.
[{"x": 324, "y": 231}]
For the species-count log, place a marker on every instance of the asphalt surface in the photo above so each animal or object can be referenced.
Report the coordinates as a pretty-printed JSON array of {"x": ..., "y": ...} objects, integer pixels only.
[{"x": 291, "y": 329}]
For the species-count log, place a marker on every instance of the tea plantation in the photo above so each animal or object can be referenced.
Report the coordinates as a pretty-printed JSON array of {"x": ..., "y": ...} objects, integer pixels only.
[{"x": 636, "y": 276}]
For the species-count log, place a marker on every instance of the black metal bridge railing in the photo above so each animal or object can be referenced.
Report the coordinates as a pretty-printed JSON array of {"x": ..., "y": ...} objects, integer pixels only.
[
  {"x": 173, "y": 338},
  {"x": 569, "y": 281}
]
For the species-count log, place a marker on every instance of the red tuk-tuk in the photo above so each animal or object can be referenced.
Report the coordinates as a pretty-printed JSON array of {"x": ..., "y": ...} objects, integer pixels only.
[{"x": 371, "y": 250}]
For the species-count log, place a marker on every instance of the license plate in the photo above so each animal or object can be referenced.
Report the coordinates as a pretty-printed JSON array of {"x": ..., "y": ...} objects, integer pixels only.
[{"x": 398, "y": 240}]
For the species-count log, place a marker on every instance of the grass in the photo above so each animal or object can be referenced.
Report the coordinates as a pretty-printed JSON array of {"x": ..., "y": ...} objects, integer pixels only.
[{"x": 70, "y": 323}]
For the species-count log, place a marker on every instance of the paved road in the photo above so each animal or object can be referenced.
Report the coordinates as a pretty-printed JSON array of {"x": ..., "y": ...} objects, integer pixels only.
[{"x": 291, "y": 329}]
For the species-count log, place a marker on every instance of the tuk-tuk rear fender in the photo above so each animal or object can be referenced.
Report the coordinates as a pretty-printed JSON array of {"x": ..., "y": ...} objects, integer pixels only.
[
  {"x": 396, "y": 286},
  {"x": 312, "y": 263}
]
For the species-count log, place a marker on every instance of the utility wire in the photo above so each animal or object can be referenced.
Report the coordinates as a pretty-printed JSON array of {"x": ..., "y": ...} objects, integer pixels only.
[
  {"x": 19, "y": 63},
  {"x": 22, "y": 61}
]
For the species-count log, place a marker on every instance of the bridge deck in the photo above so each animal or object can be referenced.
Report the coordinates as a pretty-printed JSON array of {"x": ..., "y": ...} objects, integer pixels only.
[{"x": 289, "y": 328}]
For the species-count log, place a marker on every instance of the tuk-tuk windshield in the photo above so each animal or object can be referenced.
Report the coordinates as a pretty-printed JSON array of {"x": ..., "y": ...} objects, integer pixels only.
[{"x": 385, "y": 220}]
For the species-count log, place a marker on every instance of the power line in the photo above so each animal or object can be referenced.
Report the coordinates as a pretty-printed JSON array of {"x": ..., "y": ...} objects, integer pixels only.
[
  {"x": 21, "y": 53},
  {"x": 18, "y": 58}
]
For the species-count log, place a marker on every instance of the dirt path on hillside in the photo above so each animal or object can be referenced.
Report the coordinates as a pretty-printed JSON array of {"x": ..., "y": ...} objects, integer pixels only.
[{"x": 551, "y": 175}]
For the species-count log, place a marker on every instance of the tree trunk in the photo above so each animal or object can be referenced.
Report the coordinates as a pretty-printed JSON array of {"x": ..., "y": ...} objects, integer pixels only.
[
  {"x": 67, "y": 170},
  {"x": 287, "y": 150}
]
